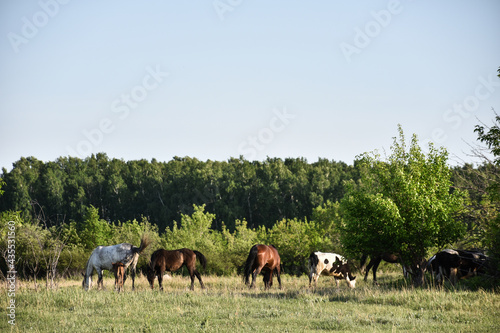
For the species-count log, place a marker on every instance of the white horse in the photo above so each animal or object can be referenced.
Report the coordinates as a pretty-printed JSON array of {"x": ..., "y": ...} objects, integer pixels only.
[{"x": 103, "y": 258}]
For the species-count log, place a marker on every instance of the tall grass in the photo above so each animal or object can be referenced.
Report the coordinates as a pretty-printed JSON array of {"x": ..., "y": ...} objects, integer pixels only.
[{"x": 227, "y": 305}]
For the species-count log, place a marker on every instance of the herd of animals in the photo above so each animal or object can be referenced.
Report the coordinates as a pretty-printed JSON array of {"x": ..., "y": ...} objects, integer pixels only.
[{"x": 450, "y": 265}]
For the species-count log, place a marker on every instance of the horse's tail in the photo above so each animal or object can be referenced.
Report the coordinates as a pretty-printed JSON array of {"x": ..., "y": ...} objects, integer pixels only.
[
  {"x": 145, "y": 241},
  {"x": 201, "y": 258},
  {"x": 249, "y": 263}
]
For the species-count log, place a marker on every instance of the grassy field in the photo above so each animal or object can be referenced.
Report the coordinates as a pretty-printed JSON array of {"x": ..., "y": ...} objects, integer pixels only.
[{"x": 228, "y": 306}]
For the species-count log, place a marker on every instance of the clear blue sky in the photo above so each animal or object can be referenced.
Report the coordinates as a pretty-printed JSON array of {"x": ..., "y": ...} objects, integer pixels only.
[{"x": 219, "y": 79}]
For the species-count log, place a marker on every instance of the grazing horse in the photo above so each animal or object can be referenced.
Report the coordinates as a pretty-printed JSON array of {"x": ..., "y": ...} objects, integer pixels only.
[
  {"x": 375, "y": 262},
  {"x": 330, "y": 264},
  {"x": 163, "y": 260},
  {"x": 103, "y": 257},
  {"x": 119, "y": 270},
  {"x": 266, "y": 259}
]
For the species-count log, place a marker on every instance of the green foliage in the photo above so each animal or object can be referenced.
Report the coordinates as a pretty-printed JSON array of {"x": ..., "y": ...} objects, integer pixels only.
[
  {"x": 194, "y": 232},
  {"x": 491, "y": 137},
  {"x": 95, "y": 231},
  {"x": 132, "y": 232},
  {"x": 295, "y": 241},
  {"x": 2, "y": 183},
  {"x": 238, "y": 243},
  {"x": 406, "y": 202},
  {"x": 259, "y": 192},
  {"x": 373, "y": 220}
]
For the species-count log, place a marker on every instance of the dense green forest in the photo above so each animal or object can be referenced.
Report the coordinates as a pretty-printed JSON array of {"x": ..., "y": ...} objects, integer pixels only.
[{"x": 259, "y": 192}]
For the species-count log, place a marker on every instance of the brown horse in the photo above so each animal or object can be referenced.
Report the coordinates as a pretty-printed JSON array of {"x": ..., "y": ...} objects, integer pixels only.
[
  {"x": 266, "y": 259},
  {"x": 119, "y": 270},
  {"x": 163, "y": 260}
]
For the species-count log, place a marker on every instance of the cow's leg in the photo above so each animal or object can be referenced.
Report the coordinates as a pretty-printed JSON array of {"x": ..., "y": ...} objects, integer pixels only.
[
  {"x": 315, "y": 279},
  {"x": 453, "y": 275}
]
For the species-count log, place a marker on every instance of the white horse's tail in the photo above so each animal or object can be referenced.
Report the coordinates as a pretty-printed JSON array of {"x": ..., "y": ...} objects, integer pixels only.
[{"x": 145, "y": 241}]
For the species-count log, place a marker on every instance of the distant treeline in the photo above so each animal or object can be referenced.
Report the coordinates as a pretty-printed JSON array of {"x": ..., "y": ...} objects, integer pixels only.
[{"x": 261, "y": 193}]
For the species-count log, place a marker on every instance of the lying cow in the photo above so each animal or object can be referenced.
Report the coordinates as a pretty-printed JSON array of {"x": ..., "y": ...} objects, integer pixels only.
[
  {"x": 330, "y": 264},
  {"x": 456, "y": 264}
]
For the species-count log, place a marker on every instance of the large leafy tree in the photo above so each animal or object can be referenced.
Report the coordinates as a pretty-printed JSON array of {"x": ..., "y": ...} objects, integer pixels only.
[
  {"x": 491, "y": 137},
  {"x": 404, "y": 204}
]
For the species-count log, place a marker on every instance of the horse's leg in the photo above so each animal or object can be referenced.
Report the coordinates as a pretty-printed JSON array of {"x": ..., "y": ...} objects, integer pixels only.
[
  {"x": 100, "y": 284},
  {"x": 191, "y": 275},
  {"x": 160, "y": 280},
  {"x": 133, "y": 278},
  {"x": 278, "y": 275},
  {"x": 370, "y": 265},
  {"x": 362, "y": 263},
  {"x": 268, "y": 279},
  {"x": 254, "y": 276},
  {"x": 375, "y": 267},
  {"x": 199, "y": 278}
]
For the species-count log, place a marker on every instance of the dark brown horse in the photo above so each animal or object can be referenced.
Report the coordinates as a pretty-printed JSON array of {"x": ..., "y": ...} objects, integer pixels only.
[
  {"x": 163, "y": 260},
  {"x": 266, "y": 259},
  {"x": 375, "y": 261}
]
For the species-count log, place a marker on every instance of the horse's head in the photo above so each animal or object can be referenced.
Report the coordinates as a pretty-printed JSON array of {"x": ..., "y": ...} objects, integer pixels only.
[
  {"x": 87, "y": 282},
  {"x": 151, "y": 276}
]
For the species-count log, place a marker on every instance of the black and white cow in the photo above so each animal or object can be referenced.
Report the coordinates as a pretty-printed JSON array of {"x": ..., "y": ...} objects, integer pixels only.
[
  {"x": 330, "y": 264},
  {"x": 456, "y": 264},
  {"x": 444, "y": 265}
]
